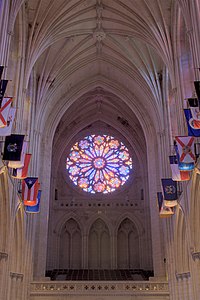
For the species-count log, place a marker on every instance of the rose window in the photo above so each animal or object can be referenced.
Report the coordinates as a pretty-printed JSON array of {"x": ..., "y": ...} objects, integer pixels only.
[{"x": 99, "y": 164}]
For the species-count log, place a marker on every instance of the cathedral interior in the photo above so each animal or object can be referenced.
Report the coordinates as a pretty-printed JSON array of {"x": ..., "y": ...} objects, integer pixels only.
[{"x": 100, "y": 91}]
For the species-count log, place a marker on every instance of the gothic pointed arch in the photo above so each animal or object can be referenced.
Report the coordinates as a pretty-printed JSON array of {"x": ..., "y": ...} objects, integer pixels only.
[
  {"x": 99, "y": 246},
  {"x": 128, "y": 254},
  {"x": 70, "y": 246}
]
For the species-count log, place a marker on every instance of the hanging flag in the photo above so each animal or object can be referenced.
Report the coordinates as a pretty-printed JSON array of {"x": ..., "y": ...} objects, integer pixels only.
[
  {"x": 5, "y": 131},
  {"x": 1, "y": 71},
  {"x": 177, "y": 174},
  {"x": 185, "y": 146},
  {"x": 3, "y": 86},
  {"x": 192, "y": 131},
  {"x": 22, "y": 172},
  {"x": 18, "y": 164},
  {"x": 13, "y": 147},
  {"x": 30, "y": 187},
  {"x": 35, "y": 208},
  {"x": 164, "y": 211},
  {"x": 4, "y": 111},
  {"x": 195, "y": 110},
  {"x": 181, "y": 165},
  {"x": 170, "y": 192},
  {"x": 197, "y": 88}
]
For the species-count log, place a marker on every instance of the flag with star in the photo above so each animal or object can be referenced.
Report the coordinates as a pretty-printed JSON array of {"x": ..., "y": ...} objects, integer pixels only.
[{"x": 30, "y": 187}]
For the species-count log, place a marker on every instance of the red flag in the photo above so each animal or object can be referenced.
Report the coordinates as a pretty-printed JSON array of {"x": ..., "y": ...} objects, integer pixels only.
[
  {"x": 4, "y": 111},
  {"x": 178, "y": 175},
  {"x": 5, "y": 131},
  {"x": 22, "y": 172},
  {"x": 30, "y": 187},
  {"x": 185, "y": 146}
]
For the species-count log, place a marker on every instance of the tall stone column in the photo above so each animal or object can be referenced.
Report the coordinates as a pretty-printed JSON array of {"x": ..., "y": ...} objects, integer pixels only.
[
  {"x": 3, "y": 273},
  {"x": 85, "y": 251},
  {"x": 196, "y": 272},
  {"x": 16, "y": 286}
]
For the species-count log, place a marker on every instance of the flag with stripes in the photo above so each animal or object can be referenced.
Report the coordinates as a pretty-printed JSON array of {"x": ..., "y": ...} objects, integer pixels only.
[
  {"x": 30, "y": 187},
  {"x": 35, "y": 208},
  {"x": 18, "y": 164},
  {"x": 177, "y": 174},
  {"x": 4, "y": 111},
  {"x": 22, "y": 172}
]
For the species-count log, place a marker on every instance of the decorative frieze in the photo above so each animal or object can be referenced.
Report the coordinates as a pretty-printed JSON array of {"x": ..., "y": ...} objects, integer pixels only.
[{"x": 70, "y": 287}]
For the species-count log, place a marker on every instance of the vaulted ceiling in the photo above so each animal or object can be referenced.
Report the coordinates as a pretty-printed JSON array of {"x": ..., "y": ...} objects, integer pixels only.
[
  {"x": 100, "y": 60},
  {"x": 109, "y": 44}
]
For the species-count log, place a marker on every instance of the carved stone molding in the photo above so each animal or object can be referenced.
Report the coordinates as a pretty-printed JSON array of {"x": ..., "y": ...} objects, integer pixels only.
[
  {"x": 97, "y": 288},
  {"x": 17, "y": 276},
  {"x": 182, "y": 276},
  {"x": 196, "y": 255},
  {"x": 99, "y": 35},
  {"x": 3, "y": 255}
]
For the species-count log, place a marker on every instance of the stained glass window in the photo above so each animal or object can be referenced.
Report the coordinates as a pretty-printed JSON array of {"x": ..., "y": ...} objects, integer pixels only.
[{"x": 99, "y": 164}]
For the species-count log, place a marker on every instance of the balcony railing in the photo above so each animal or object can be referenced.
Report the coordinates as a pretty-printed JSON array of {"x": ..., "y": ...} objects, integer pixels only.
[{"x": 57, "y": 288}]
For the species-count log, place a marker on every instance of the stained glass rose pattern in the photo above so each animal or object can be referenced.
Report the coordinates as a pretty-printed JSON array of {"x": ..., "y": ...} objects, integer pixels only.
[{"x": 99, "y": 164}]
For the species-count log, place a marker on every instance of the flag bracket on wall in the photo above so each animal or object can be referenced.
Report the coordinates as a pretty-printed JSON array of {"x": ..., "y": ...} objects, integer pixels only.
[
  {"x": 19, "y": 187},
  {"x": 197, "y": 149},
  {"x": 179, "y": 188}
]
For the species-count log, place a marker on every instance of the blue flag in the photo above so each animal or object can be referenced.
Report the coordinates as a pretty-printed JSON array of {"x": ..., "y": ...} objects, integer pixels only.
[
  {"x": 169, "y": 189},
  {"x": 191, "y": 130},
  {"x": 35, "y": 208},
  {"x": 13, "y": 147}
]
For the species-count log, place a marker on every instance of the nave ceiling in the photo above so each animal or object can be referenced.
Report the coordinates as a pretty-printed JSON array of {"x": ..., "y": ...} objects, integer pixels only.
[{"x": 77, "y": 47}]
